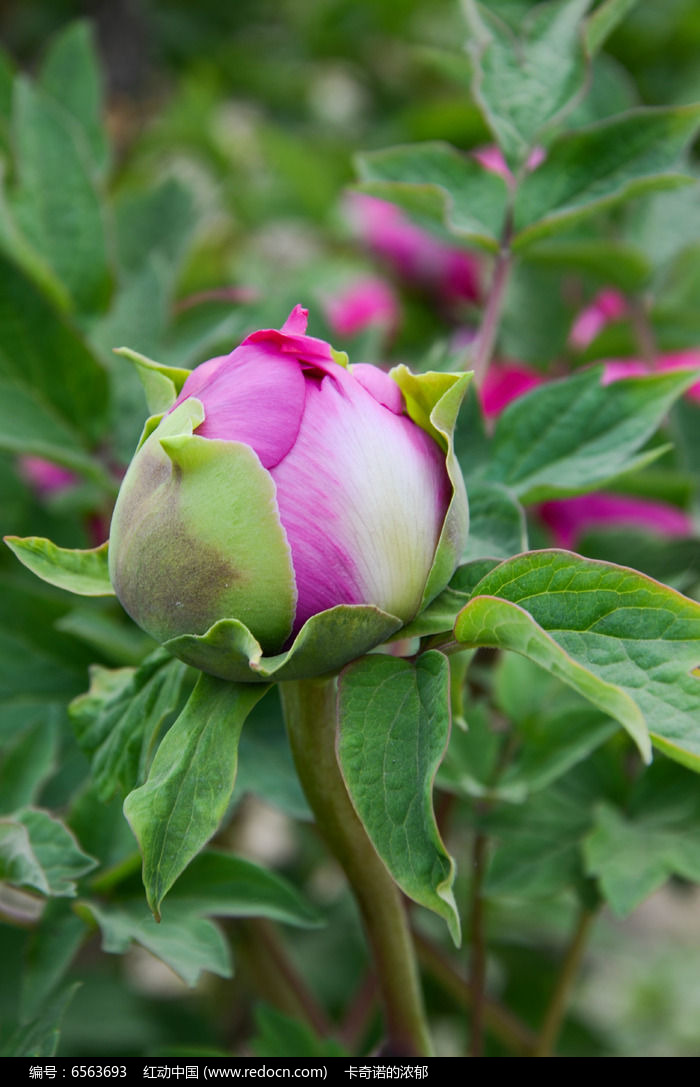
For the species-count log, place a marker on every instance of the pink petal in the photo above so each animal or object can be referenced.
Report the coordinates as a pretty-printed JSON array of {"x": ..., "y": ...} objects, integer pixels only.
[
  {"x": 379, "y": 385},
  {"x": 362, "y": 497},
  {"x": 616, "y": 369}
]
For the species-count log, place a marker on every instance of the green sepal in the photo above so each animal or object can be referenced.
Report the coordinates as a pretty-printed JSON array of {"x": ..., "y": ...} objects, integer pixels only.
[
  {"x": 162, "y": 384},
  {"x": 78, "y": 571},
  {"x": 190, "y": 540},
  {"x": 433, "y": 401},
  {"x": 325, "y": 643}
]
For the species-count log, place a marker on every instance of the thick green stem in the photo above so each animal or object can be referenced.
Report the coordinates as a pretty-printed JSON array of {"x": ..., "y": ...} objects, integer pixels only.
[{"x": 310, "y": 712}]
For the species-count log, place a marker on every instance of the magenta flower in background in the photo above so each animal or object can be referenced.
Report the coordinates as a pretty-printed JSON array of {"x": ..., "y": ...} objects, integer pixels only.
[
  {"x": 568, "y": 519},
  {"x": 365, "y": 302},
  {"x": 280, "y": 484},
  {"x": 608, "y": 305},
  {"x": 45, "y": 477},
  {"x": 615, "y": 369},
  {"x": 504, "y": 382},
  {"x": 413, "y": 253}
]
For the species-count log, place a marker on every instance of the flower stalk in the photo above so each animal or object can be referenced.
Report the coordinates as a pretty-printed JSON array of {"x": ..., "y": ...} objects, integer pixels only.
[{"x": 310, "y": 713}]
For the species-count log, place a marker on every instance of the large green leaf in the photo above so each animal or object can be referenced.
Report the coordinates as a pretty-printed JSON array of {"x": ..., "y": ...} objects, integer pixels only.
[
  {"x": 187, "y": 943},
  {"x": 53, "y": 391},
  {"x": 439, "y": 185},
  {"x": 26, "y": 764},
  {"x": 39, "y": 672},
  {"x": 227, "y": 886},
  {"x": 633, "y": 852},
  {"x": 52, "y": 947},
  {"x": 38, "y": 851},
  {"x": 569, "y": 436},
  {"x": 40, "y": 1038},
  {"x": 599, "y": 166},
  {"x": 57, "y": 203},
  {"x": 525, "y": 84},
  {"x": 118, "y": 721},
  {"x": 82, "y": 572},
  {"x": 604, "y": 20},
  {"x": 157, "y": 220},
  {"x": 626, "y": 643},
  {"x": 496, "y": 523},
  {"x": 393, "y": 725},
  {"x": 71, "y": 75},
  {"x": 191, "y": 781}
]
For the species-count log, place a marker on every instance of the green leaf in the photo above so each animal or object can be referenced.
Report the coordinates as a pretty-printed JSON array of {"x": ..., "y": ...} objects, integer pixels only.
[
  {"x": 58, "y": 206},
  {"x": 604, "y": 20},
  {"x": 82, "y": 572},
  {"x": 279, "y": 1036},
  {"x": 538, "y": 854},
  {"x": 53, "y": 391},
  {"x": 53, "y": 945},
  {"x": 597, "y": 167},
  {"x": 227, "y": 886},
  {"x": 190, "y": 783},
  {"x": 496, "y": 523},
  {"x": 40, "y": 1038},
  {"x": 26, "y": 765},
  {"x": 569, "y": 436},
  {"x": 71, "y": 75},
  {"x": 38, "y": 851},
  {"x": 187, "y": 943},
  {"x": 38, "y": 671},
  {"x": 393, "y": 725},
  {"x": 609, "y": 263},
  {"x": 628, "y": 644},
  {"x": 118, "y": 721},
  {"x": 633, "y": 853},
  {"x": 525, "y": 84},
  {"x": 158, "y": 220},
  {"x": 440, "y": 186}
]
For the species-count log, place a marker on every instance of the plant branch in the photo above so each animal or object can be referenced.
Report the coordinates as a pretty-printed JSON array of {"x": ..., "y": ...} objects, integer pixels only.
[
  {"x": 556, "y": 1011},
  {"x": 477, "y": 964},
  {"x": 486, "y": 338},
  {"x": 502, "y": 1023},
  {"x": 276, "y": 978},
  {"x": 310, "y": 713}
]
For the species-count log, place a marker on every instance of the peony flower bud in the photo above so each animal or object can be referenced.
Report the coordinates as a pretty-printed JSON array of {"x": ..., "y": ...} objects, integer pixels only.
[{"x": 279, "y": 485}]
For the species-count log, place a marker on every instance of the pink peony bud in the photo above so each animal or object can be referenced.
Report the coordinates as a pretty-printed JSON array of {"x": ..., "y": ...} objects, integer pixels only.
[
  {"x": 607, "y": 306},
  {"x": 280, "y": 484},
  {"x": 491, "y": 158},
  {"x": 506, "y": 381},
  {"x": 368, "y": 301},
  {"x": 570, "y": 518},
  {"x": 45, "y": 477},
  {"x": 413, "y": 253}
]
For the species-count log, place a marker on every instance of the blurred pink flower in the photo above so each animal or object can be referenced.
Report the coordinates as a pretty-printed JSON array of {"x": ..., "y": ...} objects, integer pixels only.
[
  {"x": 412, "y": 252},
  {"x": 506, "y": 381},
  {"x": 674, "y": 360},
  {"x": 45, "y": 477},
  {"x": 368, "y": 301},
  {"x": 569, "y": 519},
  {"x": 608, "y": 305}
]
